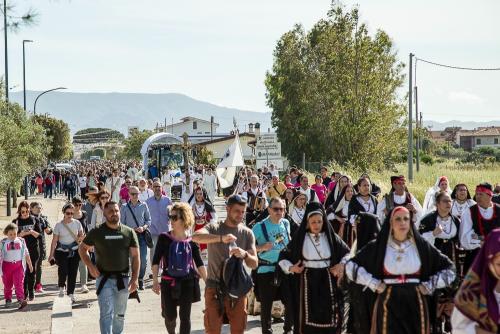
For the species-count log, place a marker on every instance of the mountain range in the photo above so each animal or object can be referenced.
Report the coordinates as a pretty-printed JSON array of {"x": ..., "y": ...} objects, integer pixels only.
[{"x": 120, "y": 110}]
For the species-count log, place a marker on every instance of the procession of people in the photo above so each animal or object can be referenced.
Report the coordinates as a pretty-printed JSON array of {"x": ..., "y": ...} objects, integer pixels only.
[{"x": 332, "y": 257}]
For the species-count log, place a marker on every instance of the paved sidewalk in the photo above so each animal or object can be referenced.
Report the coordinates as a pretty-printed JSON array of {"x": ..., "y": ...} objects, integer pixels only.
[
  {"x": 141, "y": 318},
  {"x": 36, "y": 318}
]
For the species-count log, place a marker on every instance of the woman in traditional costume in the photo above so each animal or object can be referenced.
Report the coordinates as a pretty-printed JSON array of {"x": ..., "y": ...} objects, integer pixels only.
[
  {"x": 441, "y": 184},
  {"x": 440, "y": 228},
  {"x": 338, "y": 215},
  {"x": 298, "y": 208},
  {"x": 204, "y": 212},
  {"x": 314, "y": 256},
  {"x": 461, "y": 200},
  {"x": 477, "y": 302},
  {"x": 403, "y": 268},
  {"x": 333, "y": 195}
]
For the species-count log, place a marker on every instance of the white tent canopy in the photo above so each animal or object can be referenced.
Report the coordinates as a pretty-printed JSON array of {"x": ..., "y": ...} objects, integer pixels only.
[{"x": 233, "y": 158}]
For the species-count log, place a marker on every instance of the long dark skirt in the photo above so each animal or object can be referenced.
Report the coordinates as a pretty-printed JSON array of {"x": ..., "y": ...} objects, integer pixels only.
[
  {"x": 401, "y": 309},
  {"x": 361, "y": 306},
  {"x": 321, "y": 303},
  {"x": 344, "y": 231}
]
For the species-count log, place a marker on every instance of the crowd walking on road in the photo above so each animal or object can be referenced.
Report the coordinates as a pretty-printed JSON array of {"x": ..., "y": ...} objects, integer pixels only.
[{"x": 332, "y": 257}]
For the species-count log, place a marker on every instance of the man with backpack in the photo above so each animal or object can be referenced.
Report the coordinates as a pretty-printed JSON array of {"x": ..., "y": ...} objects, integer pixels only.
[
  {"x": 227, "y": 240},
  {"x": 115, "y": 246},
  {"x": 272, "y": 235}
]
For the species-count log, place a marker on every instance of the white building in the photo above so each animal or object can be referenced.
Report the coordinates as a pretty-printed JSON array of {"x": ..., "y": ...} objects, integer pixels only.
[{"x": 194, "y": 127}]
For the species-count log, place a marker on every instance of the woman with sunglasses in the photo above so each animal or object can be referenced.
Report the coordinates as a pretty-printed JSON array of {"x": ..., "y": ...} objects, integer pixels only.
[
  {"x": 404, "y": 269},
  {"x": 178, "y": 292},
  {"x": 29, "y": 228},
  {"x": 68, "y": 234},
  {"x": 82, "y": 217},
  {"x": 99, "y": 200}
]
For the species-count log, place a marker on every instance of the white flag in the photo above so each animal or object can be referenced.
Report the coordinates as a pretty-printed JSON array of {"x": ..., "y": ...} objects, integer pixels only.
[{"x": 233, "y": 158}]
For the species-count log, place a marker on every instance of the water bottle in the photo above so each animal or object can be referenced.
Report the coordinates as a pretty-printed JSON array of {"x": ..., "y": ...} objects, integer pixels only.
[{"x": 232, "y": 246}]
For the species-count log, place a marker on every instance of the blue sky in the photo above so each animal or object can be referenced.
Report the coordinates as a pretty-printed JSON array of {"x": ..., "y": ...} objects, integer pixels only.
[{"x": 219, "y": 50}]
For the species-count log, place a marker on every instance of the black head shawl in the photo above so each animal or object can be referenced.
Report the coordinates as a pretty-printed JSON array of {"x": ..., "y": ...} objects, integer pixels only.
[
  {"x": 331, "y": 196},
  {"x": 340, "y": 199},
  {"x": 371, "y": 257},
  {"x": 367, "y": 229},
  {"x": 337, "y": 247},
  {"x": 454, "y": 192}
]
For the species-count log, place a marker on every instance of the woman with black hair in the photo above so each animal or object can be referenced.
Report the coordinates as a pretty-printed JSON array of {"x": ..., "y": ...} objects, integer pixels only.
[
  {"x": 338, "y": 215},
  {"x": 333, "y": 195},
  {"x": 203, "y": 210},
  {"x": 403, "y": 268},
  {"x": 315, "y": 257},
  {"x": 461, "y": 200}
]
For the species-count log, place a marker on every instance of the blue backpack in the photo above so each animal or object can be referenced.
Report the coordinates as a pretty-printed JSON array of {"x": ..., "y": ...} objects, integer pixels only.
[{"x": 180, "y": 258}]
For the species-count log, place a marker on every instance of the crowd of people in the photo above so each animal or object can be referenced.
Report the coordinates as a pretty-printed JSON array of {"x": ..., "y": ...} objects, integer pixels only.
[{"x": 332, "y": 257}]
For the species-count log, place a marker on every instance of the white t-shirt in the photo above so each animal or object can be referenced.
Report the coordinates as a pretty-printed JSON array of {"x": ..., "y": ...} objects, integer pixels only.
[
  {"x": 64, "y": 236},
  {"x": 82, "y": 180}
]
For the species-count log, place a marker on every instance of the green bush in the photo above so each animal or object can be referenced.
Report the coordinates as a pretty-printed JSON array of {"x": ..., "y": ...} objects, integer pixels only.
[{"x": 427, "y": 159}]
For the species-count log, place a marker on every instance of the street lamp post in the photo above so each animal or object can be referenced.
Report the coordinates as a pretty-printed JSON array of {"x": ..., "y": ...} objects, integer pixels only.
[
  {"x": 24, "y": 72},
  {"x": 47, "y": 91}
]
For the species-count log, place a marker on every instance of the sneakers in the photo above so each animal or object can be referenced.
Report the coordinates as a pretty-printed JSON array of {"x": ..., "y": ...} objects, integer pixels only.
[
  {"x": 8, "y": 302},
  {"x": 22, "y": 304},
  {"x": 84, "y": 289},
  {"x": 73, "y": 299},
  {"x": 39, "y": 288},
  {"x": 31, "y": 298},
  {"x": 141, "y": 285},
  {"x": 61, "y": 292}
]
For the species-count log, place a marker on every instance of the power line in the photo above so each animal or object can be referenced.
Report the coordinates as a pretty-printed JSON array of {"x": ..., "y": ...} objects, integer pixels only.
[{"x": 457, "y": 67}]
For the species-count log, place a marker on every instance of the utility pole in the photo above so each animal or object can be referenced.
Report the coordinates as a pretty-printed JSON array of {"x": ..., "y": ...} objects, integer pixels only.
[
  {"x": 211, "y": 127},
  {"x": 410, "y": 120},
  {"x": 418, "y": 129},
  {"x": 9, "y": 189}
]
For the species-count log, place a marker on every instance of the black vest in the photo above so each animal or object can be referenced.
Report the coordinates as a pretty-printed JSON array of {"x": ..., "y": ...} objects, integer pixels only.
[{"x": 482, "y": 226}]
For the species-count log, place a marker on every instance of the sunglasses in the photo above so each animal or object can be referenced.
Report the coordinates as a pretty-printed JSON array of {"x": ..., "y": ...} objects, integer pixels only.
[
  {"x": 133, "y": 194},
  {"x": 172, "y": 217},
  {"x": 401, "y": 183},
  {"x": 402, "y": 219},
  {"x": 278, "y": 209},
  {"x": 24, "y": 212},
  {"x": 156, "y": 186},
  {"x": 104, "y": 197},
  {"x": 68, "y": 213}
]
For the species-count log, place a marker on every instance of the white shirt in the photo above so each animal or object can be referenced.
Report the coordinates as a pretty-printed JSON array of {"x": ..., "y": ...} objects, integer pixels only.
[
  {"x": 145, "y": 194},
  {"x": 468, "y": 238},
  {"x": 297, "y": 215},
  {"x": 458, "y": 209},
  {"x": 312, "y": 250},
  {"x": 308, "y": 193},
  {"x": 82, "y": 181},
  {"x": 400, "y": 199},
  {"x": 449, "y": 230},
  {"x": 14, "y": 254}
]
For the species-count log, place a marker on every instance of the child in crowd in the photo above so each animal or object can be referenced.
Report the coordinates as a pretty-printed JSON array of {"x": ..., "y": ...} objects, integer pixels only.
[{"x": 14, "y": 257}]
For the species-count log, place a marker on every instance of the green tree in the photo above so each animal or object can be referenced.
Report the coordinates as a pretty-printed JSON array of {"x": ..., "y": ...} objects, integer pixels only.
[
  {"x": 58, "y": 135},
  {"x": 100, "y": 152},
  {"x": 97, "y": 135},
  {"x": 333, "y": 93},
  {"x": 23, "y": 146},
  {"x": 133, "y": 144}
]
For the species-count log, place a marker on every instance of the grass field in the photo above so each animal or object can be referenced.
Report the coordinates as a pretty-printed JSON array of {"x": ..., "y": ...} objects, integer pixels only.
[{"x": 426, "y": 177}]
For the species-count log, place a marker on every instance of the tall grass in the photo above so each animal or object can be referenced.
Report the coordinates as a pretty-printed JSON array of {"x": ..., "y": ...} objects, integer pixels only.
[{"x": 426, "y": 177}]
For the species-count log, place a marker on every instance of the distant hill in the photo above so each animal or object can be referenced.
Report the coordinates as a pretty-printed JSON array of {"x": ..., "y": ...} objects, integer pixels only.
[
  {"x": 120, "y": 110},
  {"x": 436, "y": 126}
]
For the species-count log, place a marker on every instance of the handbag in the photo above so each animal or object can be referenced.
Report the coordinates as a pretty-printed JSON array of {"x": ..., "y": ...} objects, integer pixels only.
[{"x": 147, "y": 234}]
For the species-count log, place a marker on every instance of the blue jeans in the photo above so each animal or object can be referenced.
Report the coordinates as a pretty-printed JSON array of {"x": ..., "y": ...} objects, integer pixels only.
[
  {"x": 112, "y": 306},
  {"x": 143, "y": 250}
]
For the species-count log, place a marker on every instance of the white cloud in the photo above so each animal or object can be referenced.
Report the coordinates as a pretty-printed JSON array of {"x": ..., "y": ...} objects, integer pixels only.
[{"x": 465, "y": 97}]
